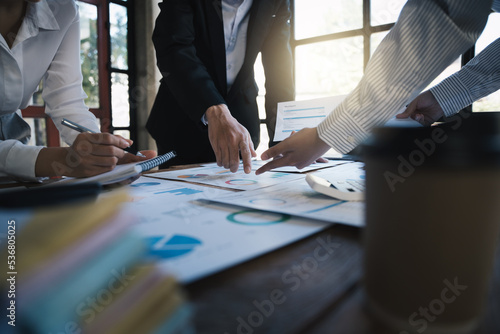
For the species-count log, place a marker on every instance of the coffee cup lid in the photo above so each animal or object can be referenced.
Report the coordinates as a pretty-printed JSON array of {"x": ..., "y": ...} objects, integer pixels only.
[{"x": 465, "y": 139}]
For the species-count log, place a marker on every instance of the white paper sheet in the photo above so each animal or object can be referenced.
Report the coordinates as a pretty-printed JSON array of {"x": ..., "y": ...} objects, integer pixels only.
[
  {"x": 195, "y": 238},
  {"x": 256, "y": 164},
  {"x": 296, "y": 115},
  {"x": 217, "y": 176},
  {"x": 297, "y": 198},
  {"x": 154, "y": 199},
  {"x": 290, "y": 169}
]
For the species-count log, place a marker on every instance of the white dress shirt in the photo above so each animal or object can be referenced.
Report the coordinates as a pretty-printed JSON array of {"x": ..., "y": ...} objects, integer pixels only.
[
  {"x": 479, "y": 78},
  {"x": 235, "y": 14},
  {"x": 427, "y": 37},
  {"x": 47, "y": 47}
]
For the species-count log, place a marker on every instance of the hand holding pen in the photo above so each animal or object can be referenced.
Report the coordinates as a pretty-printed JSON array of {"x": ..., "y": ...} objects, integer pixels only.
[
  {"x": 82, "y": 129},
  {"x": 90, "y": 154}
]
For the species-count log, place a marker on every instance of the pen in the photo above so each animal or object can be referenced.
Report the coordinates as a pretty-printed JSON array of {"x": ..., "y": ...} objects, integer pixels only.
[{"x": 80, "y": 128}]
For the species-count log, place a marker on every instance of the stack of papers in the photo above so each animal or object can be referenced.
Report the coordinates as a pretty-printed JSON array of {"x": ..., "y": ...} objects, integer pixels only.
[{"x": 201, "y": 220}]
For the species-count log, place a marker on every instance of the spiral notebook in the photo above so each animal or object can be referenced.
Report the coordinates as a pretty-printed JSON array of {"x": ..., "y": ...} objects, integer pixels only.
[{"x": 121, "y": 172}]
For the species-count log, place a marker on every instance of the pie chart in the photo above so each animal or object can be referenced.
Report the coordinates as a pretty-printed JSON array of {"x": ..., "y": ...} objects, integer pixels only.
[
  {"x": 167, "y": 247},
  {"x": 257, "y": 217},
  {"x": 241, "y": 182}
]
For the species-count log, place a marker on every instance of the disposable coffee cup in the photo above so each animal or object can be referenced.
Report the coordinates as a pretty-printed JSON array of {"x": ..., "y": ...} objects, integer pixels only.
[{"x": 432, "y": 223}]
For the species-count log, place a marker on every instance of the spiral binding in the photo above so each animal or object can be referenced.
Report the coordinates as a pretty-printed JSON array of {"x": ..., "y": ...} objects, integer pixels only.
[{"x": 148, "y": 164}]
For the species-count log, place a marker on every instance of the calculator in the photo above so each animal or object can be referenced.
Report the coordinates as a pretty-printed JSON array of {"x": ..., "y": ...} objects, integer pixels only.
[{"x": 346, "y": 190}]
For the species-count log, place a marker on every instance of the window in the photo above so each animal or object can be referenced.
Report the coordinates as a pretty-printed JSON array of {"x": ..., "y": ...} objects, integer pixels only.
[
  {"x": 108, "y": 74},
  {"x": 332, "y": 41},
  {"x": 490, "y": 33}
]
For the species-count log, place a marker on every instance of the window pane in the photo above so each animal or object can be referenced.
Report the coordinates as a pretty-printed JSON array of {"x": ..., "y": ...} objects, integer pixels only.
[
  {"x": 260, "y": 79},
  {"x": 38, "y": 131},
  {"x": 454, "y": 67},
  {"x": 488, "y": 103},
  {"x": 383, "y": 11},
  {"x": 118, "y": 31},
  {"x": 123, "y": 133},
  {"x": 88, "y": 53},
  {"x": 264, "y": 140},
  {"x": 375, "y": 40},
  {"x": 120, "y": 100},
  {"x": 37, "y": 96},
  {"x": 328, "y": 68},
  {"x": 321, "y": 17},
  {"x": 490, "y": 33}
]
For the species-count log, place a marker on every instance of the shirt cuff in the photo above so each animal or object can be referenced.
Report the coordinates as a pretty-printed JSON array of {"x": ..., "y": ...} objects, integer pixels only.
[
  {"x": 341, "y": 131},
  {"x": 452, "y": 95},
  {"x": 21, "y": 160},
  {"x": 204, "y": 119}
]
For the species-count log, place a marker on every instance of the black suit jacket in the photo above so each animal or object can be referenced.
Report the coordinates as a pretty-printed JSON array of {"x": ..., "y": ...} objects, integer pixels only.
[{"x": 190, "y": 50}]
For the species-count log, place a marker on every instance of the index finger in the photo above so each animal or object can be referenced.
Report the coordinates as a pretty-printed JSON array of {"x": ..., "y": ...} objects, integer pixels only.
[
  {"x": 274, "y": 151},
  {"x": 280, "y": 162},
  {"x": 106, "y": 139},
  {"x": 408, "y": 111},
  {"x": 246, "y": 156}
]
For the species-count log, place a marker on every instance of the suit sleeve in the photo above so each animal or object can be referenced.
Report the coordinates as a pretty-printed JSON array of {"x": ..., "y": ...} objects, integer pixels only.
[
  {"x": 182, "y": 71},
  {"x": 278, "y": 64}
]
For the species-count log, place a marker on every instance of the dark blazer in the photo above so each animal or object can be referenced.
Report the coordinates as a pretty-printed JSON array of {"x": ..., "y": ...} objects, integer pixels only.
[{"x": 190, "y": 50}]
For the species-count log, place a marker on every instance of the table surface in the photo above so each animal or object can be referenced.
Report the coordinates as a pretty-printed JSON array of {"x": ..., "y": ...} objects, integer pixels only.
[
  {"x": 312, "y": 286},
  {"x": 302, "y": 289},
  {"x": 314, "y": 296}
]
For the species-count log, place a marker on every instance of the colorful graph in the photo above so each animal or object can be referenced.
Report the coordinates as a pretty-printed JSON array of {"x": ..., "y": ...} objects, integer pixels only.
[
  {"x": 145, "y": 184},
  {"x": 241, "y": 182},
  {"x": 256, "y": 217},
  {"x": 171, "y": 247},
  {"x": 192, "y": 176},
  {"x": 325, "y": 207},
  {"x": 268, "y": 202},
  {"x": 181, "y": 191},
  {"x": 223, "y": 172},
  {"x": 276, "y": 175}
]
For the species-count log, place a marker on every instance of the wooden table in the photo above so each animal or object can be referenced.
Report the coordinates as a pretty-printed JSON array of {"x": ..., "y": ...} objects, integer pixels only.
[
  {"x": 315, "y": 292},
  {"x": 312, "y": 286}
]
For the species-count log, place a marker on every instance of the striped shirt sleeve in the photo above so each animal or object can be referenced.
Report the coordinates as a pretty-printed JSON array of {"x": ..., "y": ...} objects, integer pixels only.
[
  {"x": 479, "y": 78},
  {"x": 427, "y": 37}
]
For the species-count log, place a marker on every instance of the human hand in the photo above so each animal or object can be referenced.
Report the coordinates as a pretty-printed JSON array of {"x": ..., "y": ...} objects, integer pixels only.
[
  {"x": 424, "y": 109},
  {"x": 229, "y": 139},
  {"x": 299, "y": 150},
  {"x": 318, "y": 160},
  {"x": 89, "y": 155},
  {"x": 93, "y": 154},
  {"x": 129, "y": 157}
]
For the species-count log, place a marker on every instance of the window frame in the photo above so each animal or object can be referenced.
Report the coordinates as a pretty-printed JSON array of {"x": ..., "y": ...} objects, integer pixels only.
[
  {"x": 104, "y": 111},
  {"x": 130, "y": 71},
  {"x": 366, "y": 31}
]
